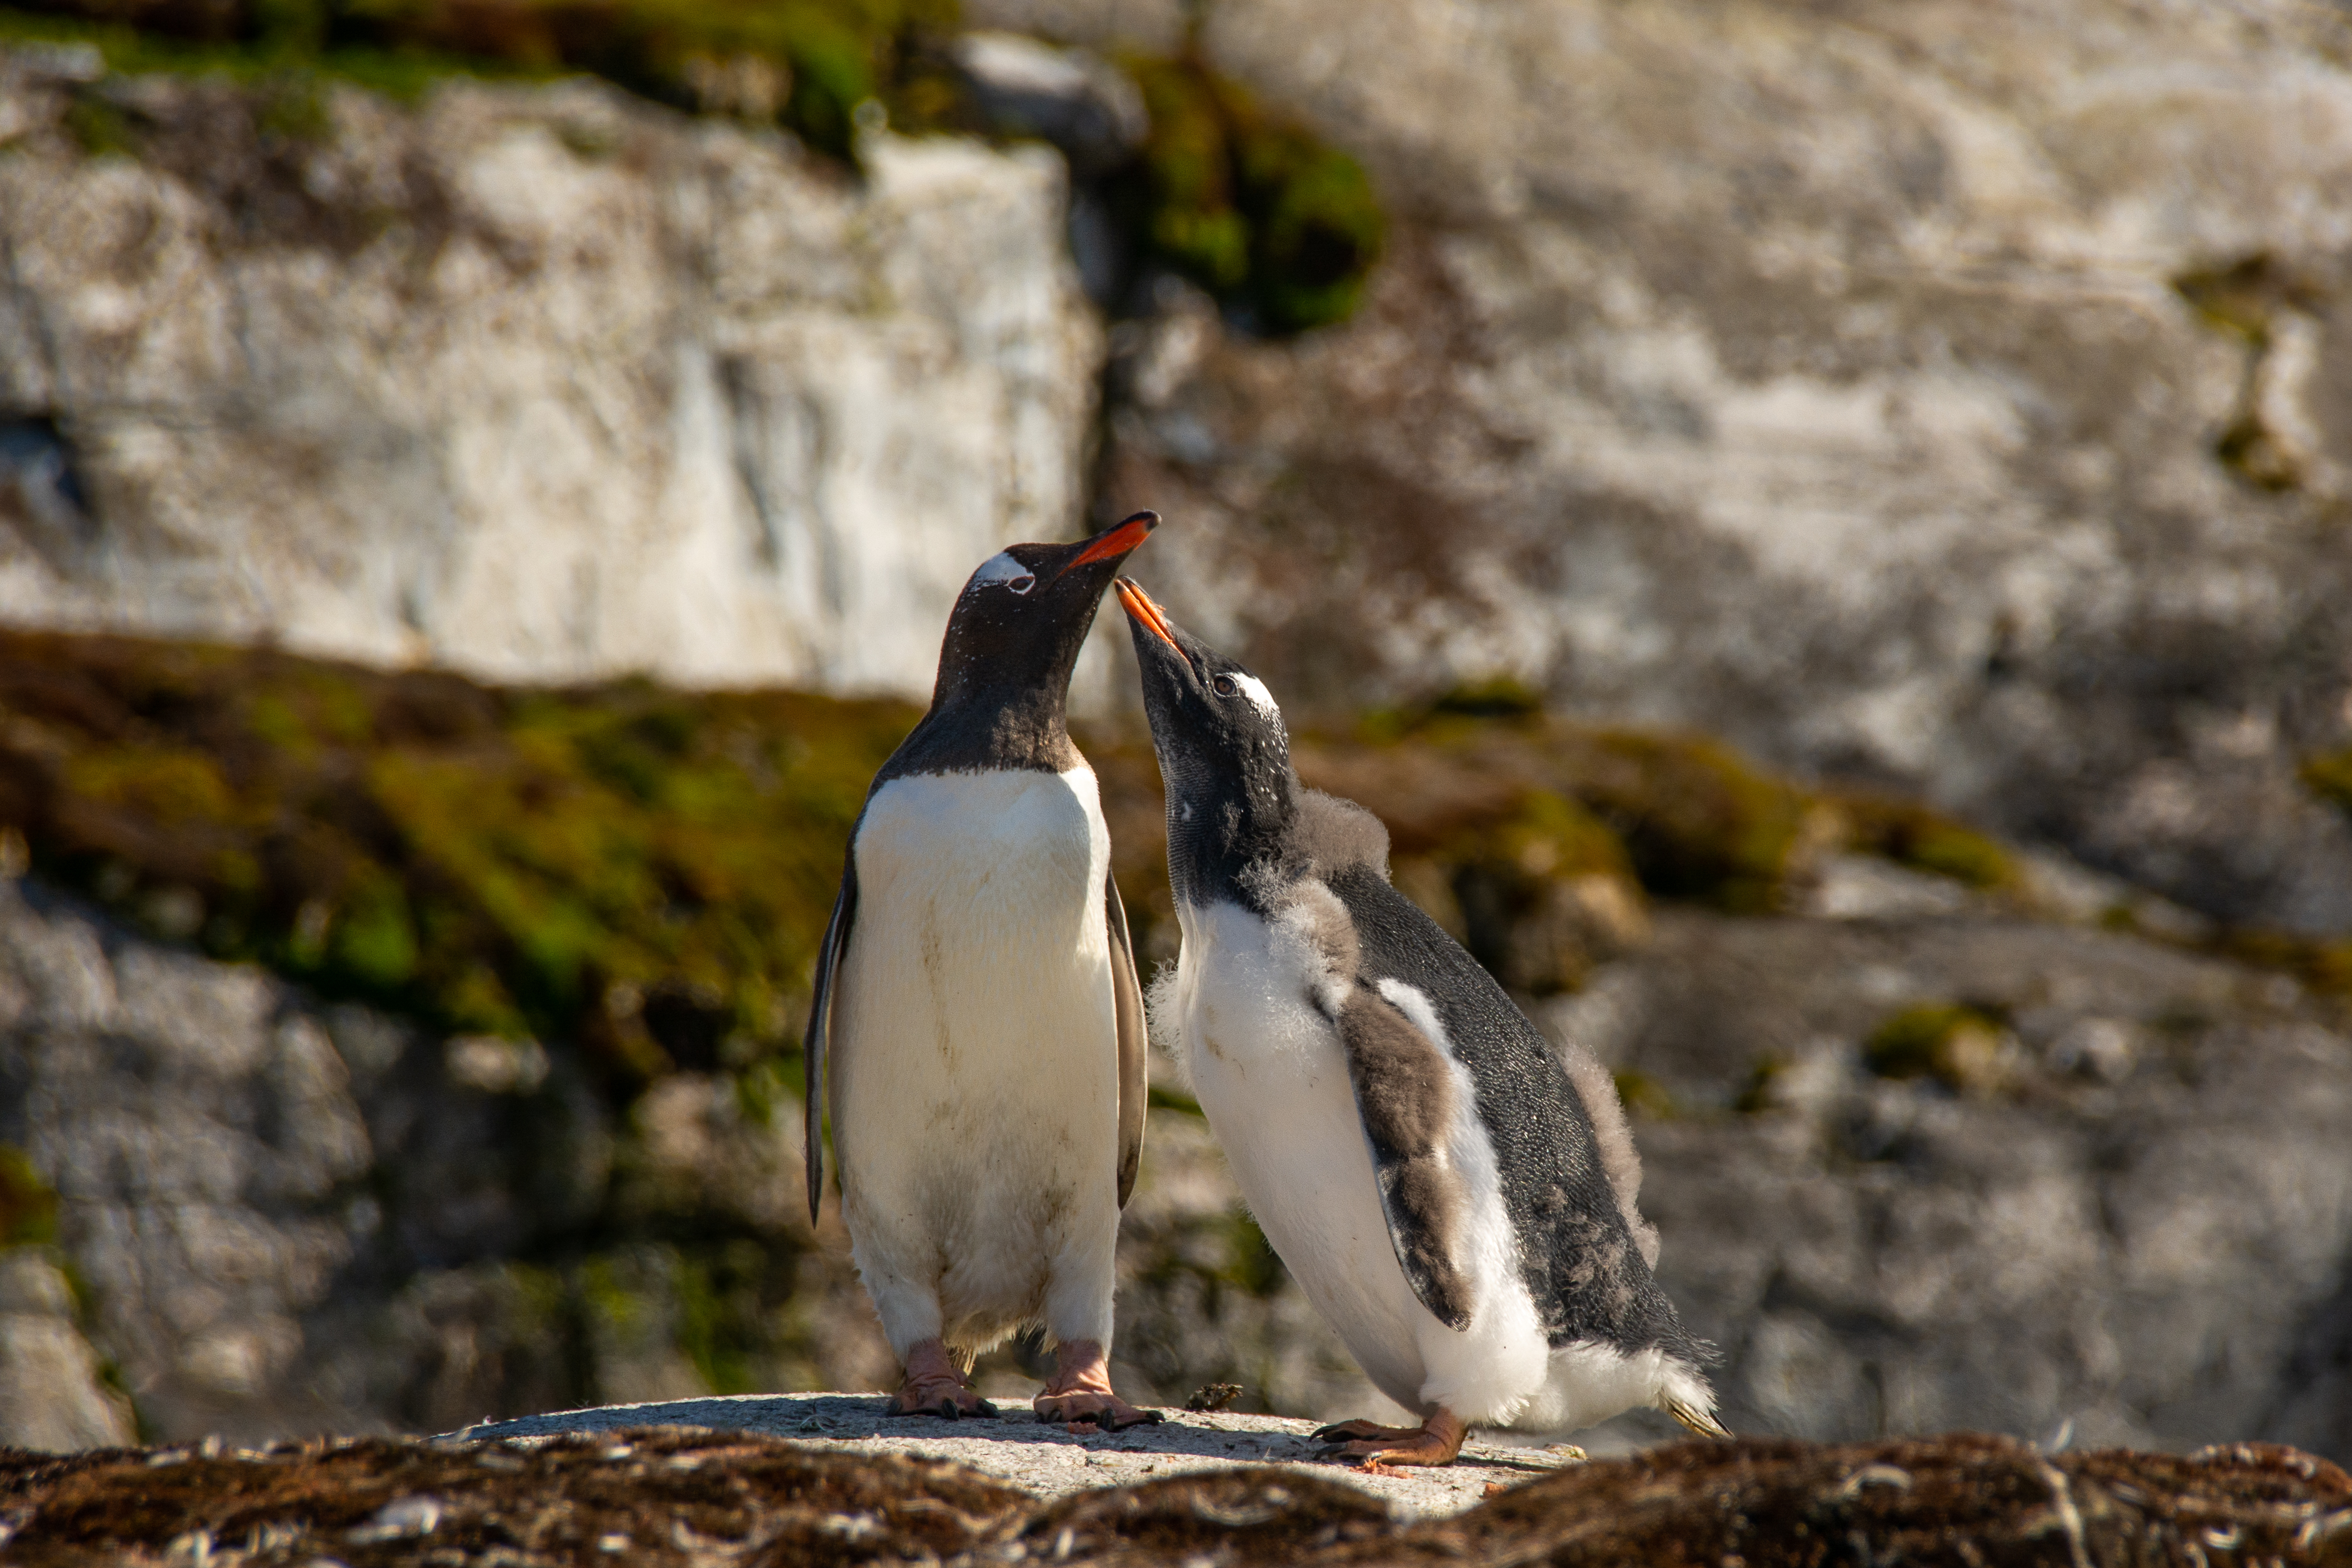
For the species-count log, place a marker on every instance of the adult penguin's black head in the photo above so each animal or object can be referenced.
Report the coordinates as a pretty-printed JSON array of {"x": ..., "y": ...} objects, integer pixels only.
[
  {"x": 1012, "y": 640},
  {"x": 1224, "y": 754}
]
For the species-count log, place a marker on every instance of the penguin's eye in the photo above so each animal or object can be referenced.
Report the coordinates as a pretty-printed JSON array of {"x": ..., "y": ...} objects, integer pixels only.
[
  {"x": 1021, "y": 584},
  {"x": 1223, "y": 686}
]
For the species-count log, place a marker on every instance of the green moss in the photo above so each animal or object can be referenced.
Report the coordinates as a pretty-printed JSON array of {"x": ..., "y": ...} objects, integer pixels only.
[
  {"x": 405, "y": 74},
  {"x": 516, "y": 862},
  {"x": 100, "y": 127},
  {"x": 723, "y": 1313},
  {"x": 2242, "y": 298},
  {"x": 1756, "y": 1095},
  {"x": 1645, "y": 1096},
  {"x": 607, "y": 1297},
  {"x": 1251, "y": 1263},
  {"x": 1698, "y": 820},
  {"x": 2323, "y": 964},
  {"x": 1500, "y": 696},
  {"x": 1520, "y": 887},
  {"x": 824, "y": 58},
  {"x": 2330, "y": 776},
  {"x": 28, "y": 1208},
  {"x": 1945, "y": 1040},
  {"x": 293, "y": 108},
  {"x": 1553, "y": 835},
  {"x": 1248, "y": 204},
  {"x": 1916, "y": 835}
]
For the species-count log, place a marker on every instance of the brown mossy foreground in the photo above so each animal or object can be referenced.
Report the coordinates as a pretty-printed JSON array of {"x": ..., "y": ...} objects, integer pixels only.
[{"x": 679, "y": 1495}]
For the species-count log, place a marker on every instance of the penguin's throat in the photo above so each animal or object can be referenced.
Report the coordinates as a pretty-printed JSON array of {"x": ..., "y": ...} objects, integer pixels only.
[
  {"x": 992, "y": 728},
  {"x": 1219, "y": 847}
]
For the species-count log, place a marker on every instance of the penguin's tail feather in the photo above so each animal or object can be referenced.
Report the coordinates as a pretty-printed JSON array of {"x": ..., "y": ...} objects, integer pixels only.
[{"x": 1697, "y": 1419}]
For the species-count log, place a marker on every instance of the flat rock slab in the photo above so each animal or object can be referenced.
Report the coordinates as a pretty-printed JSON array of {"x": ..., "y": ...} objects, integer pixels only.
[{"x": 1046, "y": 1458}]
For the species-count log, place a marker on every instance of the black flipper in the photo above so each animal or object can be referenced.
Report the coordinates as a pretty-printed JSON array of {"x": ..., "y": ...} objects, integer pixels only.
[
  {"x": 1404, "y": 1096},
  {"x": 816, "y": 1042},
  {"x": 1134, "y": 1046}
]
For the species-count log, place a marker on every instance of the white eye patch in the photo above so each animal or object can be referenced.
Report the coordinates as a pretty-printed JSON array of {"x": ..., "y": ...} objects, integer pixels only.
[
  {"x": 1255, "y": 689},
  {"x": 1002, "y": 567}
]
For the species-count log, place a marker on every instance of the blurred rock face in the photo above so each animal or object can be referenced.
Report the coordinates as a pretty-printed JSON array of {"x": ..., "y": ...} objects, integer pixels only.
[
  {"x": 282, "y": 1219},
  {"x": 1929, "y": 394},
  {"x": 1944, "y": 395},
  {"x": 538, "y": 383},
  {"x": 2109, "y": 1194},
  {"x": 1937, "y": 396},
  {"x": 2106, "y": 1209}
]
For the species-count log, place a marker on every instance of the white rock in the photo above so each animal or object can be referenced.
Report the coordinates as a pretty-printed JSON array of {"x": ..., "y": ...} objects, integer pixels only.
[{"x": 551, "y": 385}]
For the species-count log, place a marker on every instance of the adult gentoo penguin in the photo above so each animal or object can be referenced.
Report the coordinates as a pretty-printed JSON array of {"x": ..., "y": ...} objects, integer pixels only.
[
  {"x": 978, "y": 1030},
  {"x": 1415, "y": 1151}
]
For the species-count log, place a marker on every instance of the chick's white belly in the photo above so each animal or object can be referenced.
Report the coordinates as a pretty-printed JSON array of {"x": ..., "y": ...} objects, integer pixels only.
[
  {"x": 1272, "y": 1077},
  {"x": 975, "y": 1087}
]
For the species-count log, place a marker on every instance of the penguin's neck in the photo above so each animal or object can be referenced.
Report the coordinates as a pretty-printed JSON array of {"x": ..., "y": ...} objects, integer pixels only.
[
  {"x": 1220, "y": 824},
  {"x": 993, "y": 728}
]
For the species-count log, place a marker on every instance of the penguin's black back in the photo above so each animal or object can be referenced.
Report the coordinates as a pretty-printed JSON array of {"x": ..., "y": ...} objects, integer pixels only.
[{"x": 1580, "y": 1264}]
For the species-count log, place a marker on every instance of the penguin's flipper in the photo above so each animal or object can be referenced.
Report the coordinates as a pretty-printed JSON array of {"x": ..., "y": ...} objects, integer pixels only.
[
  {"x": 1134, "y": 1048},
  {"x": 1404, "y": 1095},
  {"x": 816, "y": 1043}
]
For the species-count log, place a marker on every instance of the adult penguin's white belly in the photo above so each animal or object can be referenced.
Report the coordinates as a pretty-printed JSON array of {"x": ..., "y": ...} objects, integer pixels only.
[{"x": 975, "y": 1092}]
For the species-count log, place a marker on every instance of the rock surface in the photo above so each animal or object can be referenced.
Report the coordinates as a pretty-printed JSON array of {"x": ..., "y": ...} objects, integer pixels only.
[
  {"x": 1919, "y": 394},
  {"x": 1944, "y": 395},
  {"x": 540, "y": 383},
  {"x": 286, "y": 1218},
  {"x": 683, "y": 1496},
  {"x": 1045, "y": 1459},
  {"x": 2064, "y": 1233},
  {"x": 52, "y": 1395}
]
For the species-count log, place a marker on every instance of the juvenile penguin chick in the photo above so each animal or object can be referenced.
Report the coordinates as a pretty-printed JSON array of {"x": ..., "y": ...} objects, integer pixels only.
[
  {"x": 1415, "y": 1150},
  {"x": 977, "y": 1021}
]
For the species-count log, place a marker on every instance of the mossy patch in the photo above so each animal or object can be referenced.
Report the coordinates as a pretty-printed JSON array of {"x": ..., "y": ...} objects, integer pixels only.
[
  {"x": 2323, "y": 964},
  {"x": 1482, "y": 778},
  {"x": 28, "y": 1208},
  {"x": 1276, "y": 223},
  {"x": 1911, "y": 833},
  {"x": 804, "y": 64},
  {"x": 2243, "y": 298},
  {"x": 1220, "y": 1253},
  {"x": 1958, "y": 1045},
  {"x": 1757, "y": 1094},
  {"x": 287, "y": 68},
  {"x": 1698, "y": 820},
  {"x": 639, "y": 870},
  {"x": 1247, "y": 202},
  {"x": 1646, "y": 1096},
  {"x": 1544, "y": 894},
  {"x": 2330, "y": 776}
]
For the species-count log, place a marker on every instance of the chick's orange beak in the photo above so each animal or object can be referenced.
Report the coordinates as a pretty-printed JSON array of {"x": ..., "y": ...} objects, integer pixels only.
[
  {"x": 1145, "y": 613},
  {"x": 1115, "y": 541}
]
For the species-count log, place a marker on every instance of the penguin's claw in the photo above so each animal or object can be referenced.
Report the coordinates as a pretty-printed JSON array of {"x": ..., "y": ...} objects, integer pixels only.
[
  {"x": 1080, "y": 1393},
  {"x": 1339, "y": 1432},
  {"x": 1377, "y": 1449},
  {"x": 947, "y": 1405},
  {"x": 935, "y": 1386},
  {"x": 1083, "y": 1412}
]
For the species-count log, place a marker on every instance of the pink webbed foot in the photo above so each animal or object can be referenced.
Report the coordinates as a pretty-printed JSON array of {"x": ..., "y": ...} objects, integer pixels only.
[
  {"x": 1377, "y": 1449},
  {"x": 935, "y": 1386},
  {"x": 1080, "y": 1395}
]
